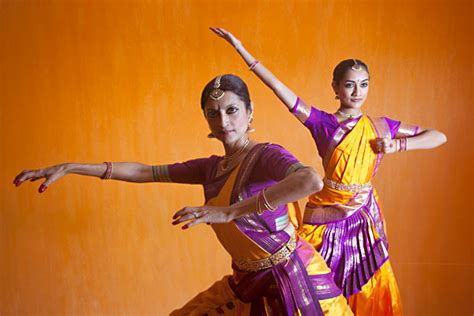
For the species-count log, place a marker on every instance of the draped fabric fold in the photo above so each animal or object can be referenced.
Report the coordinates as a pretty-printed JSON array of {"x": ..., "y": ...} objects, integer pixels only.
[
  {"x": 297, "y": 285},
  {"x": 346, "y": 225}
]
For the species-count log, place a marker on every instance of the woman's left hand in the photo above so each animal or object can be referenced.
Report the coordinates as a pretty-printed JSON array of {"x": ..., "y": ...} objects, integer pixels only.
[
  {"x": 385, "y": 145},
  {"x": 204, "y": 214}
]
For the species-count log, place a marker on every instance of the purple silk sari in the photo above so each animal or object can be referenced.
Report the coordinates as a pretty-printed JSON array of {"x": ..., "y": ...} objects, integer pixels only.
[
  {"x": 286, "y": 288},
  {"x": 295, "y": 287}
]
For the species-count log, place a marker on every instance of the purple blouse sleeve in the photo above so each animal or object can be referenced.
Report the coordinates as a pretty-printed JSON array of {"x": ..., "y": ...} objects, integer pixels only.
[
  {"x": 393, "y": 126},
  {"x": 321, "y": 126},
  {"x": 194, "y": 171},
  {"x": 276, "y": 163}
]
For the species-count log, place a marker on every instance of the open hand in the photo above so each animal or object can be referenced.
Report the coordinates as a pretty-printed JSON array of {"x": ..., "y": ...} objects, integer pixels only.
[
  {"x": 203, "y": 214},
  {"x": 51, "y": 174},
  {"x": 227, "y": 36}
]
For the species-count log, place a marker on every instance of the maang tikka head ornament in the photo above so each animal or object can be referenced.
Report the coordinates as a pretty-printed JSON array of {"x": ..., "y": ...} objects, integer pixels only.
[
  {"x": 216, "y": 93},
  {"x": 356, "y": 66}
]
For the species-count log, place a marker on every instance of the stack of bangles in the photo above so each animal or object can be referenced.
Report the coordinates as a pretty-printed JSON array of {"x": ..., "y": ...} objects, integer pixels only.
[
  {"x": 108, "y": 172},
  {"x": 262, "y": 199},
  {"x": 252, "y": 65},
  {"x": 402, "y": 144}
]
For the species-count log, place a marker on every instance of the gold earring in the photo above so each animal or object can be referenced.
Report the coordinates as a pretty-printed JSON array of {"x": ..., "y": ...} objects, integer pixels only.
[{"x": 336, "y": 97}]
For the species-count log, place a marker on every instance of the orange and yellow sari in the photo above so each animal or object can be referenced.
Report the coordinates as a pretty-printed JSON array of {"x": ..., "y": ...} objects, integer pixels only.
[{"x": 344, "y": 221}]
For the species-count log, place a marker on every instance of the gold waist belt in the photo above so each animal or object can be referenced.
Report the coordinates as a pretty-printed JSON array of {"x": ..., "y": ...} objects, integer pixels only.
[
  {"x": 281, "y": 255},
  {"x": 351, "y": 187}
]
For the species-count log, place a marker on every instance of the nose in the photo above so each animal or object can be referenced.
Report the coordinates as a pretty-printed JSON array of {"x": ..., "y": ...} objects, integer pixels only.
[
  {"x": 224, "y": 120},
  {"x": 355, "y": 92}
]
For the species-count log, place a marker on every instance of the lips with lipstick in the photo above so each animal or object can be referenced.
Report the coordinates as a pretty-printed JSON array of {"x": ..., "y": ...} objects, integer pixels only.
[{"x": 225, "y": 132}]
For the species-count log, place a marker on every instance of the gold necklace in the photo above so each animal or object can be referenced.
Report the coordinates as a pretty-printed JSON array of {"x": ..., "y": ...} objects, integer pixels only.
[
  {"x": 349, "y": 116},
  {"x": 228, "y": 159}
]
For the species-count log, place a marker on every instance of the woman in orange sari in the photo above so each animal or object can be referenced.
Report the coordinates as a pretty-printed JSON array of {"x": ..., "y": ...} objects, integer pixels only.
[
  {"x": 248, "y": 194},
  {"x": 344, "y": 221}
]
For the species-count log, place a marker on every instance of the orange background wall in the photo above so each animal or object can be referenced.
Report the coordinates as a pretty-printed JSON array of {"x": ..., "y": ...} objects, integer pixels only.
[{"x": 89, "y": 81}]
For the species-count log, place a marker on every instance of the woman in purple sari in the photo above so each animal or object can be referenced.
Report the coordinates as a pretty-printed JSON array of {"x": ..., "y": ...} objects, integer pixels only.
[
  {"x": 343, "y": 221},
  {"x": 248, "y": 194}
]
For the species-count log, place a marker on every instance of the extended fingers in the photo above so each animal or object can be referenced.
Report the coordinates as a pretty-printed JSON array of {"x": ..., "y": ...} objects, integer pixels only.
[
  {"x": 25, "y": 175},
  {"x": 184, "y": 218},
  {"x": 182, "y": 212},
  {"x": 190, "y": 215},
  {"x": 49, "y": 180},
  {"x": 200, "y": 220},
  {"x": 217, "y": 30}
]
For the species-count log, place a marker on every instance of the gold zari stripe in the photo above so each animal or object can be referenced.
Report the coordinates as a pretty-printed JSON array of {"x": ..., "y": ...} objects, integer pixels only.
[
  {"x": 281, "y": 255},
  {"x": 351, "y": 187}
]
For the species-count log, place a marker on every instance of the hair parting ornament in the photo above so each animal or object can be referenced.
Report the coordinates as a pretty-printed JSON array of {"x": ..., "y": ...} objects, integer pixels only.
[
  {"x": 216, "y": 93},
  {"x": 357, "y": 67}
]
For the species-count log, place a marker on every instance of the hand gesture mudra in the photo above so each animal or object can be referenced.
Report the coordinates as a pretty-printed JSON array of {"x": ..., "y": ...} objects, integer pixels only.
[
  {"x": 51, "y": 174},
  {"x": 227, "y": 36},
  {"x": 203, "y": 214},
  {"x": 385, "y": 145}
]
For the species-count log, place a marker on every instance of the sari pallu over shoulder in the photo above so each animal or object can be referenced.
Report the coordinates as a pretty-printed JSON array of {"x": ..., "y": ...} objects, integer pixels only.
[
  {"x": 354, "y": 243},
  {"x": 294, "y": 289}
]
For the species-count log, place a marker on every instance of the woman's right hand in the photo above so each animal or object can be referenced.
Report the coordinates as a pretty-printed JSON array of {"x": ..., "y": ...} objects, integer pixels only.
[
  {"x": 51, "y": 174},
  {"x": 227, "y": 36}
]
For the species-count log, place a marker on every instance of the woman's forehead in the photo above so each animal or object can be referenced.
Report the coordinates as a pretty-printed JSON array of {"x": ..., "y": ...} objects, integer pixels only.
[
  {"x": 352, "y": 75},
  {"x": 229, "y": 99}
]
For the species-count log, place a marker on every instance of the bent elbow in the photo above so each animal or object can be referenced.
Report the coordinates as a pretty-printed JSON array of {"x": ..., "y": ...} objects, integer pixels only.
[
  {"x": 444, "y": 138},
  {"x": 311, "y": 180},
  {"x": 440, "y": 138}
]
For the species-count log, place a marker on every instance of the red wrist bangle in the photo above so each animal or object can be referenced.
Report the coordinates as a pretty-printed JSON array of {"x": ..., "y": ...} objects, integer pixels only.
[
  {"x": 108, "y": 171},
  {"x": 252, "y": 66}
]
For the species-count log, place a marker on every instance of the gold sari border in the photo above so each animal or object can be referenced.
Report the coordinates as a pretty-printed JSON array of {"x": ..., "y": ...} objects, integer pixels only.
[
  {"x": 349, "y": 187},
  {"x": 337, "y": 137},
  {"x": 281, "y": 255},
  {"x": 407, "y": 130},
  {"x": 301, "y": 110}
]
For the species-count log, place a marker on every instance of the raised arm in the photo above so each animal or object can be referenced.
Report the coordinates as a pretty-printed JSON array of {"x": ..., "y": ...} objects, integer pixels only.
[
  {"x": 287, "y": 96},
  {"x": 122, "y": 171}
]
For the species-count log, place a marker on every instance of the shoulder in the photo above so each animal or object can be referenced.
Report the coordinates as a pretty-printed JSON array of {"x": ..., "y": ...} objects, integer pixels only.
[{"x": 320, "y": 117}]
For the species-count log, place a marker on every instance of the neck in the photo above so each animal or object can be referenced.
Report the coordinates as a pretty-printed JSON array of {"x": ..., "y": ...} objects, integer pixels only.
[
  {"x": 234, "y": 147},
  {"x": 349, "y": 111}
]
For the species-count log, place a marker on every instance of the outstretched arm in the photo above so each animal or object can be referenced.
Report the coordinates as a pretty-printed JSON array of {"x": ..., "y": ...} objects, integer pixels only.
[
  {"x": 123, "y": 171},
  {"x": 287, "y": 96}
]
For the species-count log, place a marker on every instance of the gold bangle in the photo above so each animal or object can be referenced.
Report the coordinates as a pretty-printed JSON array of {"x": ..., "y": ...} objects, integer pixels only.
[
  {"x": 253, "y": 65},
  {"x": 266, "y": 203},
  {"x": 108, "y": 171},
  {"x": 258, "y": 209}
]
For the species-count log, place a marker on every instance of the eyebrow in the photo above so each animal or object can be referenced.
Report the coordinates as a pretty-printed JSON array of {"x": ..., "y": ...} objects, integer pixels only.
[
  {"x": 225, "y": 107},
  {"x": 354, "y": 81}
]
